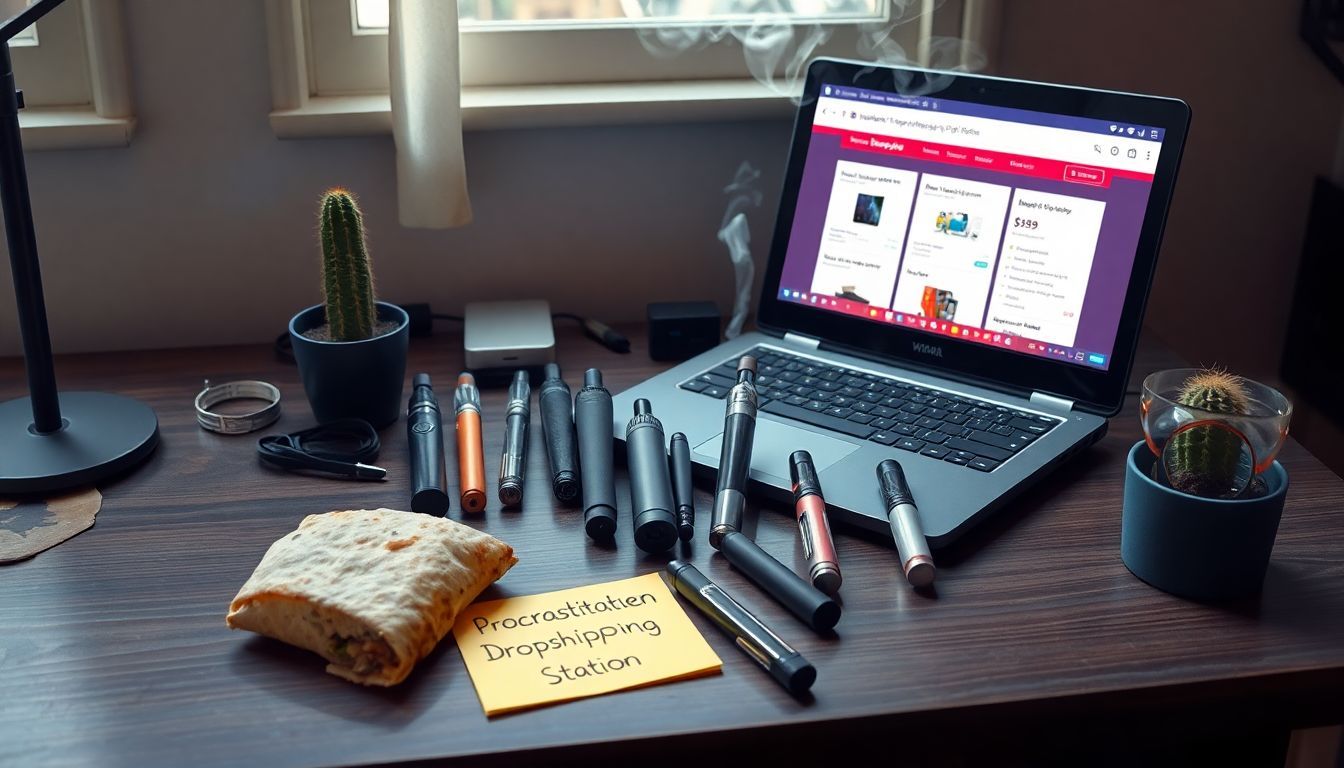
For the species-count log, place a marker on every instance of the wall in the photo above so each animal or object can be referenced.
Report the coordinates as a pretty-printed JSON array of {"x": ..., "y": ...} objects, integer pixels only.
[
  {"x": 1266, "y": 122},
  {"x": 202, "y": 231}
]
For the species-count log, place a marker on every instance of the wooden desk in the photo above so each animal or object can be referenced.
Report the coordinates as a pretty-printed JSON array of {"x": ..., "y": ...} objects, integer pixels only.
[{"x": 113, "y": 648}]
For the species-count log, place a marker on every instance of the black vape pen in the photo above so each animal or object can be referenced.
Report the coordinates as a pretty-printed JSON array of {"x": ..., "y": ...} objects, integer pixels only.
[
  {"x": 594, "y": 420},
  {"x": 513, "y": 460},
  {"x": 650, "y": 483},
  {"x": 679, "y": 456},
  {"x": 557, "y": 424},
  {"x": 739, "y": 429},
  {"x": 424, "y": 430}
]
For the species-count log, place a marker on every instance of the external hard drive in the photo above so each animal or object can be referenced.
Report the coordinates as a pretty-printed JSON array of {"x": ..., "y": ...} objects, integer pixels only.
[{"x": 508, "y": 334}]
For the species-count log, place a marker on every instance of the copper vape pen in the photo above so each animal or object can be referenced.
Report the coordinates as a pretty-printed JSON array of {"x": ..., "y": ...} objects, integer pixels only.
[
  {"x": 470, "y": 452},
  {"x": 823, "y": 565}
]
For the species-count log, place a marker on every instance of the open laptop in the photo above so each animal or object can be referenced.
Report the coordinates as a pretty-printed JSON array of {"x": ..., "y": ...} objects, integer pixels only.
[{"x": 959, "y": 270}]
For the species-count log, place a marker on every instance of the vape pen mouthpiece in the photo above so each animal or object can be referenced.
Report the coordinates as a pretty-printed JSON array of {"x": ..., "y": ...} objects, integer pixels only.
[
  {"x": 643, "y": 407},
  {"x": 420, "y": 380},
  {"x": 747, "y": 363},
  {"x": 592, "y": 378},
  {"x": 803, "y": 475}
]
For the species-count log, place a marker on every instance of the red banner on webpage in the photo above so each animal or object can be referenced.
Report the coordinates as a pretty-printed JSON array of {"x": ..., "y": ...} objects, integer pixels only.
[{"x": 1022, "y": 165}]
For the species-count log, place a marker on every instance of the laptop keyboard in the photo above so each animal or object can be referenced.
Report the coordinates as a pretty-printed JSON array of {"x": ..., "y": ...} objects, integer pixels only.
[{"x": 925, "y": 420}]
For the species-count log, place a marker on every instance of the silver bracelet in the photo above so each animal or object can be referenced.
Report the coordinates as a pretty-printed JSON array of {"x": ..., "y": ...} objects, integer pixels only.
[{"x": 237, "y": 424}]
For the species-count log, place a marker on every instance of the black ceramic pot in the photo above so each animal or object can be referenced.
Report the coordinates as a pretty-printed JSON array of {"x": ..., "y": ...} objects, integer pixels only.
[
  {"x": 353, "y": 379},
  {"x": 1204, "y": 549}
]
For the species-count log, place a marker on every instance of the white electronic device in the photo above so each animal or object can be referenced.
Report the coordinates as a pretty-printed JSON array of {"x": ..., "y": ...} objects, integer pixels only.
[{"x": 508, "y": 334}]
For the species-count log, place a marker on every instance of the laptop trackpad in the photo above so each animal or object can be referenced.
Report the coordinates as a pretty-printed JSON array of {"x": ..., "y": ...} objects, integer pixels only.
[{"x": 774, "y": 442}]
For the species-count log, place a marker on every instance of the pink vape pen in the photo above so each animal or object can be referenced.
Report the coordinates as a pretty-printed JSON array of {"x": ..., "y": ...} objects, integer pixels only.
[{"x": 810, "y": 508}]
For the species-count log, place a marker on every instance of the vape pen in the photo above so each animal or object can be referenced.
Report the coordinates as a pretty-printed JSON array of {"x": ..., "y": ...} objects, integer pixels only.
[
  {"x": 739, "y": 427},
  {"x": 913, "y": 548},
  {"x": 513, "y": 460},
  {"x": 803, "y": 600},
  {"x": 557, "y": 424},
  {"x": 650, "y": 484},
  {"x": 775, "y": 656},
  {"x": 593, "y": 419},
  {"x": 470, "y": 452},
  {"x": 679, "y": 458},
  {"x": 809, "y": 507},
  {"x": 424, "y": 431}
]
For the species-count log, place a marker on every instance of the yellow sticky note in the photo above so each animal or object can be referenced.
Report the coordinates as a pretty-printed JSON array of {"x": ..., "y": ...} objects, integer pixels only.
[{"x": 542, "y": 649}]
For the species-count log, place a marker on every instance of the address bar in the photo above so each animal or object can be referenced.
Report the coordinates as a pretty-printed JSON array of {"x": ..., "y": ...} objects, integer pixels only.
[{"x": 992, "y": 135}]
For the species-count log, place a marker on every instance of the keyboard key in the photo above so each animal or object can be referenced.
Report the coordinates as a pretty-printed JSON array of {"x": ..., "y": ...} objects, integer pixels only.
[
  {"x": 795, "y": 400},
  {"x": 979, "y": 449},
  {"x": 927, "y": 423},
  {"x": 807, "y": 416},
  {"x": 989, "y": 438},
  {"x": 952, "y": 458},
  {"x": 829, "y": 375},
  {"x": 935, "y": 451},
  {"x": 984, "y": 465},
  {"x": 802, "y": 391},
  {"x": 861, "y": 406},
  {"x": 1000, "y": 429},
  {"x": 906, "y": 418},
  {"x": 980, "y": 424},
  {"x": 840, "y": 401},
  {"x": 1023, "y": 437},
  {"x": 839, "y": 412},
  {"x": 979, "y": 413},
  {"x": 910, "y": 444},
  {"x": 871, "y": 397},
  {"x": 694, "y": 385},
  {"x": 1032, "y": 425},
  {"x": 716, "y": 380},
  {"x": 885, "y": 438},
  {"x": 906, "y": 429},
  {"x": 856, "y": 382},
  {"x": 954, "y": 430},
  {"x": 955, "y": 418},
  {"x": 883, "y": 411},
  {"x": 920, "y": 399},
  {"x": 715, "y": 392},
  {"x": 934, "y": 437},
  {"x": 959, "y": 408},
  {"x": 849, "y": 391},
  {"x": 860, "y": 418},
  {"x": 880, "y": 423},
  {"x": 963, "y": 455},
  {"x": 936, "y": 413},
  {"x": 828, "y": 386},
  {"x": 789, "y": 376}
]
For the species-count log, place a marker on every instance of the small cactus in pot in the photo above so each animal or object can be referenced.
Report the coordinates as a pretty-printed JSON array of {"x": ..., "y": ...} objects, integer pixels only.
[
  {"x": 1207, "y": 458},
  {"x": 347, "y": 275}
]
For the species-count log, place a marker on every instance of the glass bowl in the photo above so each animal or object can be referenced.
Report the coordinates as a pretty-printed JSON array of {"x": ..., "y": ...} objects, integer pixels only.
[{"x": 1261, "y": 432}]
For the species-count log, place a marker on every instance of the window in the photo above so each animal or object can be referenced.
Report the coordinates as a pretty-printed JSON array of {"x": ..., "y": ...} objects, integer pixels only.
[
  {"x": 71, "y": 67},
  {"x": 613, "y": 60}
]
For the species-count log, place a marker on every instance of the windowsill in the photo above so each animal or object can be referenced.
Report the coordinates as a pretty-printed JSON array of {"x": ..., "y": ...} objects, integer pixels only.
[
  {"x": 73, "y": 128},
  {"x": 489, "y": 108}
]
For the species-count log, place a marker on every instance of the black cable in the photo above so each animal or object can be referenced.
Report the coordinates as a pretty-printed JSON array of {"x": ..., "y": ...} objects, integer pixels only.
[
  {"x": 598, "y": 331},
  {"x": 340, "y": 448}
]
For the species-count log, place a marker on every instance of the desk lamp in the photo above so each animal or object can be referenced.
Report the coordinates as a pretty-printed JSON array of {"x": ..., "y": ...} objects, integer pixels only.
[{"x": 50, "y": 442}]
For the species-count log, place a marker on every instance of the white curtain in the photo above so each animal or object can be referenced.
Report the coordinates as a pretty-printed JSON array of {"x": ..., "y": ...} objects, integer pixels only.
[{"x": 425, "y": 68}]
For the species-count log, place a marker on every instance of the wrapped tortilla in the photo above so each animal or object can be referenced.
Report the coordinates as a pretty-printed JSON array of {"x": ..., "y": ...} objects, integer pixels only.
[{"x": 371, "y": 591}]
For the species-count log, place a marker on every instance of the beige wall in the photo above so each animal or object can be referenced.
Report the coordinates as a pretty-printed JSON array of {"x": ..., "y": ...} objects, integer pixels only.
[
  {"x": 202, "y": 231},
  {"x": 1266, "y": 122}
]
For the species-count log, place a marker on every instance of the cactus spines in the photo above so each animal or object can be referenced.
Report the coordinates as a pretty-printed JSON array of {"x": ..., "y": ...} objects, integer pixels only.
[
  {"x": 1204, "y": 460},
  {"x": 347, "y": 277}
]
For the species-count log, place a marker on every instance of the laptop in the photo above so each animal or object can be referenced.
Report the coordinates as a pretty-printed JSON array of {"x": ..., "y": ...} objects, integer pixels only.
[{"x": 957, "y": 278}]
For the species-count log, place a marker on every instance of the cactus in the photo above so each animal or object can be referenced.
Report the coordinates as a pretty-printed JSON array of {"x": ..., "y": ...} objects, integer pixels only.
[
  {"x": 347, "y": 277},
  {"x": 1204, "y": 460}
]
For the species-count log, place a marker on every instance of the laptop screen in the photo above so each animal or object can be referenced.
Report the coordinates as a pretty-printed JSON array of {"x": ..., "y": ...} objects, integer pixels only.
[{"x": 1004, "y": 227}]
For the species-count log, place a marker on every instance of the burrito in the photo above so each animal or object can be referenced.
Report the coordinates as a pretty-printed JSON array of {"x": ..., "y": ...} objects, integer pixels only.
[{"x": 371, "y": 591}]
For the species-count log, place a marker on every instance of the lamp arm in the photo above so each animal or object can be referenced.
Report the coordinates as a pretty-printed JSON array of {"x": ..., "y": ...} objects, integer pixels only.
[{"x": 26, "y": 17}]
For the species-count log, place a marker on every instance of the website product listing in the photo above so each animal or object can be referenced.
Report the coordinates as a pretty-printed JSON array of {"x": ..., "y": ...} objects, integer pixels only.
[
  {"x": 951, "y": 250},
  {"x": 866, "y": 220},
  {"x": 977, "y": 222}
]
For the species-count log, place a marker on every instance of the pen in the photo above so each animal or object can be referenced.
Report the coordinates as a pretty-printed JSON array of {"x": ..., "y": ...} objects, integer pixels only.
[
  {"x": 739, "y": 427},
  {"x": 679, "y": 458},
  {"x": 557, "y": 424},
  {"x": 594, "y": 422},
  {"x": 803, "y": 600},
  {"x": 911, "y": 546},
  {"x": 823, "y": 566},
  {"x": 424, "y": 432},
  {"x": 470, "y": 452},
  {"x": 650, "y": 483},
  {"x": 786, "y": 665},
  {"x": 513, "y": 460}
]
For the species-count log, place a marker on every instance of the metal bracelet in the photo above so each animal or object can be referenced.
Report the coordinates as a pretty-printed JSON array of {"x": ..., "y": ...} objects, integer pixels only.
[{"x": 237, "y": 424}]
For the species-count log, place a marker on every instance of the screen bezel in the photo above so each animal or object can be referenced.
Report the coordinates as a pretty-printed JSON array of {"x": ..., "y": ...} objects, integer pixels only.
[{"x": 1091, "y": 389}]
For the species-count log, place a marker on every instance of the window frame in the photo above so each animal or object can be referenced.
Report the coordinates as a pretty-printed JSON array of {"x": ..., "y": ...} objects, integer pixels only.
[
  {"x": 330, "y": 79},
  {"x": 76, "y": 82}
]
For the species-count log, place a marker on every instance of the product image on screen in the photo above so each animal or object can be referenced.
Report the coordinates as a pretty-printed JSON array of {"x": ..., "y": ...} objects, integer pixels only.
[
  {"x": 1004, "y": 227},
  {"x": 868, "y": 210}
]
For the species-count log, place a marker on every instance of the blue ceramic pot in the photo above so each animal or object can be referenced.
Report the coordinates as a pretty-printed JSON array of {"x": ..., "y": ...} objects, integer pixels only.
[
  {"x": 353, "y": 379},
  {"x": 1203, "y": 549}
]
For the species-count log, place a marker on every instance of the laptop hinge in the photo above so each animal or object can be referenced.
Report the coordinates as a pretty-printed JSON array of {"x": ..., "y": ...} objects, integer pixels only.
[
  {"x": 806, "y": 342},
  {"x": 1051, "y": 403}
]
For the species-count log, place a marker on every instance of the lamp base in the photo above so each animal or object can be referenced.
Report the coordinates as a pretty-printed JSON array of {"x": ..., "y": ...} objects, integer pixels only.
[{"x": 104, "y": 435}]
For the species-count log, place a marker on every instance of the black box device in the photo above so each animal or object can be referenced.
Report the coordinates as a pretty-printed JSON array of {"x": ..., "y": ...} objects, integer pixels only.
[{"x": 680, "y": 329}]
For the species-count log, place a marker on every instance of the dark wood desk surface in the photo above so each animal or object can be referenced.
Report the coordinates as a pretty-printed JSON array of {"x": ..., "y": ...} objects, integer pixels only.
[{"x": 113, "y": 648}]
